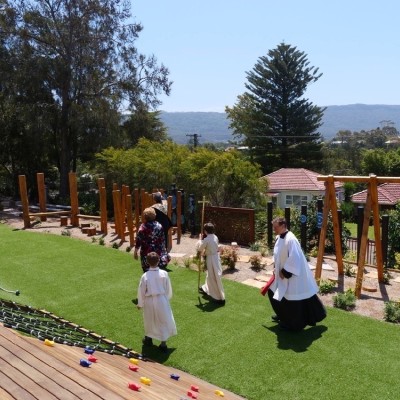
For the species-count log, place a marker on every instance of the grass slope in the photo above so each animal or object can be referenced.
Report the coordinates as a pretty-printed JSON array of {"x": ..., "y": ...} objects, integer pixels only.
[{"x": 236, "y": 347}]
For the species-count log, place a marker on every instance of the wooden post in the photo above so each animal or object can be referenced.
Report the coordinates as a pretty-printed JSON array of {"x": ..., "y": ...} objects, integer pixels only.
[
  {"x": 129, "y": 220},
  {"x": 364, "y": 243},
  {"x": 73, "y": 190},
  {"x": 137, "y": 208},
  {"x": 117, "y": 214},
  {"x": 24, "y": 200},
  {"x": 42, "y": 195},
  {"x": 103, "y": 205}
]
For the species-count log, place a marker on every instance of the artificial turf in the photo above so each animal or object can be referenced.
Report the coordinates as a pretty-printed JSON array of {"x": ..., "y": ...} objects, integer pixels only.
[{"x": 236, "y": 346}]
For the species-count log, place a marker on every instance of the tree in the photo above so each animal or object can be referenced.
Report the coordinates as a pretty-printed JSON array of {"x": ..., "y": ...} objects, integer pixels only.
[
  {"x": 89, "y": 66},
  {"x": 144, "y": 124},
  {"x": 273, "y": 117}
]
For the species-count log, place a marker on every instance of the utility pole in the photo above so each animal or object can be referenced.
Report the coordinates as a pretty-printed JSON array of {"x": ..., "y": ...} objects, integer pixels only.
[{"x": 195, "y": 137}]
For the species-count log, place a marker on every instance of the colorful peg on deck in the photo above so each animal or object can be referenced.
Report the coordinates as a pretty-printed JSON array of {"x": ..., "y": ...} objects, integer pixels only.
[
  {"x": 48, "y": 342},
  {"x": 134, "y": 361},
  {"x": 92, "y": 358},
  {"x": 145, "y": 380},
  {"x": 133, "y": 386},
  {"x": 89, "y": 350},
  {"x": 219, "y": 393},
  {"x": 192, "y": 395},
  {"x": 133, "y": 368},
  {"x": 175, "y": 376},
  {"x": 84, "y": 363},
  {"x": 194, "y": 388}
]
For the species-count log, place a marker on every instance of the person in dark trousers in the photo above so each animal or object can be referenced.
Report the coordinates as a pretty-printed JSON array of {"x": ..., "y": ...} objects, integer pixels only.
[{"x": 293, "y": 294}]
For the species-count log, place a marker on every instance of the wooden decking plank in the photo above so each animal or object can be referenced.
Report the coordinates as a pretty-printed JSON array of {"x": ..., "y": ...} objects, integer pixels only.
[
  {"x": 14, "y": 373},
  {"x": 108, "y": 378},
  {"x": 14, "y": 390},
  {"x": 67, "y": 375}
]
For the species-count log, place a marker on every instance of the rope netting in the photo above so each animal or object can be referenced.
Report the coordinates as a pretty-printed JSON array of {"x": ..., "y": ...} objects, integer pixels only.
[{"x": 45, "y": 325}]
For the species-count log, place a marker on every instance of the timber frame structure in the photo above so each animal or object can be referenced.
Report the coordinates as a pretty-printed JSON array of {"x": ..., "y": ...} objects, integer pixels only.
[{"x": 371, "y": 205}]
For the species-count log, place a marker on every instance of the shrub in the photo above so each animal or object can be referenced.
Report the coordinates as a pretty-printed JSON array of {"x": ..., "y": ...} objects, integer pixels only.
[
  {"x": 345, "y": 301},
  {"x": 392, "y": 311},
  {"x": 349, "y": 270},
  {"x": 115, "y": 246},
  {"x": 255, "y": 262},
  {"x": 65, "y": 233},
  {"x": 229, "y": 256},
  {"x": 101, "y": 242},
  {"x": 326, "y": 286}
]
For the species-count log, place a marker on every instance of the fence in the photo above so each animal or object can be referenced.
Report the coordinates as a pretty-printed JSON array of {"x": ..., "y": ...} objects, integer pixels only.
[{"x": 370, "y": 258}]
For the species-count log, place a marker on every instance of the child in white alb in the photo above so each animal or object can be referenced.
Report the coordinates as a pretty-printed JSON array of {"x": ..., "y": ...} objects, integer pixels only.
[
  {"x": 154, "y": 293},
  {"x": 208, "y": 247}
]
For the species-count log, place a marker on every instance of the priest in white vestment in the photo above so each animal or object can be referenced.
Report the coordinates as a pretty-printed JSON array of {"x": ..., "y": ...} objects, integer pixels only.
[{"x": 293, "y": 294}]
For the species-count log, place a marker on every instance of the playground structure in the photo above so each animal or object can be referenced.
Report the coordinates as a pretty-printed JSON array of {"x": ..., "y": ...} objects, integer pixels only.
[
  {"x": 127, "y": 211},
  {"x": 371, "y": 205},
  {"x": 73, "y": 213}
]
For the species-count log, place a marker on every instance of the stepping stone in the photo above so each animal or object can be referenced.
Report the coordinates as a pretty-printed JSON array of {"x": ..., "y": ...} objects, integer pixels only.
[
  {"x": 369, "y": 288},
  {"x": 327, "y": 267},
  {"x": 243, "y": 258},
  {"x": 397, "y": 280},
  {"x": 254, "y": 283},
  {"x": 177, "y": 255},
  {"x": 262, "y": 278},
  {"x": 372, "y": 274}
]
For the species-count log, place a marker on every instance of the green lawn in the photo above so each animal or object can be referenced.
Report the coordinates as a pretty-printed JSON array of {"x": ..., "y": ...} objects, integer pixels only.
[
  {"x": 353, "y": 230},
  {"x": 235, "y": 347}
]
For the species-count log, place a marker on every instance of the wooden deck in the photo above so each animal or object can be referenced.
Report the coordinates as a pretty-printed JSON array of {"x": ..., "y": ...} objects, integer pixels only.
[{"x": 29, "y": 369}]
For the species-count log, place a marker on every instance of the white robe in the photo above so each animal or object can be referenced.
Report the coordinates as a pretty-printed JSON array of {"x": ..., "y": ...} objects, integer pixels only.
[
  {"x": 154, "y": 293},
  {"x": 213, "y": 285},
  {"x": 289, "y": 256}
]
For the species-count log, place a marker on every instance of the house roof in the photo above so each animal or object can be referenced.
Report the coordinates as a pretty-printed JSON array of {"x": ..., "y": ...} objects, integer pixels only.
[
  {"x": 388, "y": 194},
  {"x": 295, "y": 179}
]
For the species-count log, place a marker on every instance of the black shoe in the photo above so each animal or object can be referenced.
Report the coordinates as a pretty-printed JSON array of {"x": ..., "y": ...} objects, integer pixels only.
[
  {"x": 275, "y": 318},
  {"x": 201, "y": 290},
  {"x": 221, "y": 302},
  {"x": 163, "y": 348},
  {"x": 147, "y": 341}
]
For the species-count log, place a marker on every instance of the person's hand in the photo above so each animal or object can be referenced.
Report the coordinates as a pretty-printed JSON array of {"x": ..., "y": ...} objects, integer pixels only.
[
  {"x": 201, "y": 236},
  {"x": 135, "y": 255},
  {"x": 281, "y": 274}
]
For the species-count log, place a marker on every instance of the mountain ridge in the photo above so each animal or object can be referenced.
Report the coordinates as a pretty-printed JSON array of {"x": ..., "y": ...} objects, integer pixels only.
[{"x": 214, "y": 126}]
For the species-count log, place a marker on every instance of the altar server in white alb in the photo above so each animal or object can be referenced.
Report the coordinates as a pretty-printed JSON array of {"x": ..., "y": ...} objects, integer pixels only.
[
  {"x": 154, "y": 293},
  {"x": 293, "y": 294},
  {"x": 208, "y": 246}
]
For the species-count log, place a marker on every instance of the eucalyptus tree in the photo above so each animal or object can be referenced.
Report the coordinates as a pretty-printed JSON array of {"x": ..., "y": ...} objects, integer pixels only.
[
  {"x": 273, "y": 117},
  {"x": 91, "y": 67}
]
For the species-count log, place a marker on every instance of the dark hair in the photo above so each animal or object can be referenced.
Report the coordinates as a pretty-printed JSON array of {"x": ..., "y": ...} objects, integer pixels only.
[
  {"x": 152, "y": 259},
  {"x": 209, "y": 227},
  {"x": 280, "y": 221}
]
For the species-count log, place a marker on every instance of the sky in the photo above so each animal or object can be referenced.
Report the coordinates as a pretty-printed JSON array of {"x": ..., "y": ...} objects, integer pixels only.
[{"x": 209, "y": 45}]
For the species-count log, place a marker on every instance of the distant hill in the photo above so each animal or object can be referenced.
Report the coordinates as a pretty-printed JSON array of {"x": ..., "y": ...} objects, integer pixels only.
[{"x": 214, "y": 127}]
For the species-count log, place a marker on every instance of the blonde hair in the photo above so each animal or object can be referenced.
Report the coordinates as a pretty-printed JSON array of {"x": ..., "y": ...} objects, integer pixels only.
[{"x": 149, "y": 214}]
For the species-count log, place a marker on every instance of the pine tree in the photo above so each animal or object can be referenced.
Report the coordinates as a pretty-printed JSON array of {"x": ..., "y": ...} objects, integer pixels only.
[{"x": 274, "y": 118}]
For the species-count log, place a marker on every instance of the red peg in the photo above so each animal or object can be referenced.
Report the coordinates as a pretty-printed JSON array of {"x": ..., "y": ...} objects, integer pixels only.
[
  {"x": 92, "y": 358},
  {"x": 194, "y": 388},
  {"x": 133, "y": 386},
  {"x": 133, "y": 367}
]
